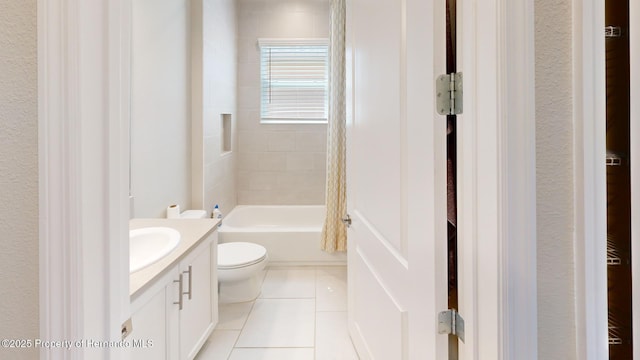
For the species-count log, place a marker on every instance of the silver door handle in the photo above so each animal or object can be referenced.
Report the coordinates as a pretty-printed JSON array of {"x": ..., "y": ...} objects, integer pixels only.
[
  {"x": 347, "y": 220},
  {"x": 189, "y": 291},
  {"x": 179, "y": 302}
]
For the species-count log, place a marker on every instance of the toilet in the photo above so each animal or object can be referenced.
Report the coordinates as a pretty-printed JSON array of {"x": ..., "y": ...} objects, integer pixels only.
[{"x": 239, "y": 267}]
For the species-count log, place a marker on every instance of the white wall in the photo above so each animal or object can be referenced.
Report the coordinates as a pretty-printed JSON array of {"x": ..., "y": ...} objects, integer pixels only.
[
  {"x": 554, "y": 141},
  {"x": 19, "y": 174},
  {"x": 220, "y": 74},
  {"x": 19, "y": 307},
  {"x": 161, "y": 106},
  {"x": 277, "y": 164}
]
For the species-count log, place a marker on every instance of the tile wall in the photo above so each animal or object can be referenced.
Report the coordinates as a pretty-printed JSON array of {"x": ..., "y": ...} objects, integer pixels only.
[{"x": 277, "y": 164}]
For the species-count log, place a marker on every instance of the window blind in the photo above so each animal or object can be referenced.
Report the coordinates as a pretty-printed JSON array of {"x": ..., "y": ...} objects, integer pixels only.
[{"x": 294, "y": 80}]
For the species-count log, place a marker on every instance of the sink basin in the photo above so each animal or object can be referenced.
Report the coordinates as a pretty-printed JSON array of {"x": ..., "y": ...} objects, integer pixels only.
[{"x": 148, "y": 245}]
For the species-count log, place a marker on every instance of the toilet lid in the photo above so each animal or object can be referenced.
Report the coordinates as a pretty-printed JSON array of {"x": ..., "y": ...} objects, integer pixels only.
[{"x": 239, "y": 254}]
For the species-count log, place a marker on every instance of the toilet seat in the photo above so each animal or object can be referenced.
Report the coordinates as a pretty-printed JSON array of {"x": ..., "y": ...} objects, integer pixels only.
[{"x": 236, "y": 255}]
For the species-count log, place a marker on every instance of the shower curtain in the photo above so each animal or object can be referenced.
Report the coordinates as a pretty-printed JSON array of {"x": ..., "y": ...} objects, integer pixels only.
[{"x": 334, "y": 232}]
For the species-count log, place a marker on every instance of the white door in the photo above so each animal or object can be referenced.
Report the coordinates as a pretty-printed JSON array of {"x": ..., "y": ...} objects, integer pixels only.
[{"x": 396, "y": 174}]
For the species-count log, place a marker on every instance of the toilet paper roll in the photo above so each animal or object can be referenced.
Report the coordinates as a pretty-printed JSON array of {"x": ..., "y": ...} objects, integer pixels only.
[{"x": 173, "y": 212}]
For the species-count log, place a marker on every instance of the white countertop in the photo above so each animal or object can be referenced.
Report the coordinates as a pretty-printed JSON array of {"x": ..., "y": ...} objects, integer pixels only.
[{"x": 192, "y": 232}]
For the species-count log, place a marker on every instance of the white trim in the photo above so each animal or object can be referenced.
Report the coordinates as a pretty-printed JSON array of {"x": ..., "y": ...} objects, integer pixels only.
[
  {"x": 590, "y": 179},
  {"x": 292, "y": 41},
  {"x": 496, "y": 181},
  {"x": 118, "y": 133},
  {"x": 83, "y": 153},
  {"x": 59, "y": 242},
  {"x": 294, "y": 121},
  {"x": 519, "y": 242}
]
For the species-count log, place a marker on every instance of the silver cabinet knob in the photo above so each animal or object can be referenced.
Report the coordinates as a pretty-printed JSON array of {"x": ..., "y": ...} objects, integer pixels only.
[{"x": 347, "y": 220}]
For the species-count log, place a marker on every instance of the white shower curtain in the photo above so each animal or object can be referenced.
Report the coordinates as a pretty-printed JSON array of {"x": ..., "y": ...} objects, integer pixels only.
[{"x": 334, "y": 232}]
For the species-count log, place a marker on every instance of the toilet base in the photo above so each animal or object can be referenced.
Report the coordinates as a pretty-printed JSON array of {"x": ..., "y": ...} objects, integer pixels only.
[{"x": 239, "y": 291}]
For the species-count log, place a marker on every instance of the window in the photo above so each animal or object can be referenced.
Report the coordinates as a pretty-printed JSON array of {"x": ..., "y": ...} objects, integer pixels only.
[{"x": 294, "y": 80}]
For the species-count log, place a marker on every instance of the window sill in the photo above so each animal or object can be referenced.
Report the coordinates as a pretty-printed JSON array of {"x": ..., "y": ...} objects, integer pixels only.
[{"x": 292, "y": 122}]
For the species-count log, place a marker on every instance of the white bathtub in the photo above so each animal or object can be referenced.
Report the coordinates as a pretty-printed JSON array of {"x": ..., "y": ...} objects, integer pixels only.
[{"x": 290, "y": 233}]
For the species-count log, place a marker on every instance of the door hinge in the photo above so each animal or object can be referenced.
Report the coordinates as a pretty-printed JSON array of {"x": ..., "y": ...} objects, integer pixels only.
[
  {"x": 449, "y": 94},
  {"x": 612, "y": 32},
  {"x": 450, "y": 322}
]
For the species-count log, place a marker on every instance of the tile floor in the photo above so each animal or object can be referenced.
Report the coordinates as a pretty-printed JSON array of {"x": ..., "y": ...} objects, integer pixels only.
[{"x": 301, "y": 314}]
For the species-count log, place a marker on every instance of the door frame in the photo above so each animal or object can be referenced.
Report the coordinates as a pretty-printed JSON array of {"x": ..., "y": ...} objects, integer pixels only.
[
  {"x": 634, "y": 47},
  {"x": 590, "y": 206},
  {"x": 83, "y": 125},
  {"x": 83, "y": 50},
  {"x": 497, "y": 206}
]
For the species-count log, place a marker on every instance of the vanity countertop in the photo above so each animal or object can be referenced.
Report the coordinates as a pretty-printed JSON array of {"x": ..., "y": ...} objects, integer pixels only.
[{"x": 192, "y": 232}]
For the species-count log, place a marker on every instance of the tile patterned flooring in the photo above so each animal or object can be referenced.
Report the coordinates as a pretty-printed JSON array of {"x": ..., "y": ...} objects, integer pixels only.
[{"x": 301, "y": 314}]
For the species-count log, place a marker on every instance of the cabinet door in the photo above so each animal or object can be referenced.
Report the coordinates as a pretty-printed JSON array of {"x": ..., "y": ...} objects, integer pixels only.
[
  {"x": 148, "y": 338},
  {"x": 196, "y": 317},
  {"x": 173, "y": 317}
]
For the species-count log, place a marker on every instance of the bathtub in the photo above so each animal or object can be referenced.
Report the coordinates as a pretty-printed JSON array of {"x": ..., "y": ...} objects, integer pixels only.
[{"x": 290, "y": 233}]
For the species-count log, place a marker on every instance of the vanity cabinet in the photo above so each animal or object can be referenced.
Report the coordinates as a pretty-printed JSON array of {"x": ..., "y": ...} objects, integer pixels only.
[
  {"x": 176, "y": 314},
  {"x": 153, "y": 314},
  {"x": 196, "y": 317}
]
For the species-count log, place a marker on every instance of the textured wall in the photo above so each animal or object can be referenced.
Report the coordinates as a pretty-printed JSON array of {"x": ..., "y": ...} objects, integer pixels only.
[
  {"x": 18, "y": 175},
  {"x": 161, "y": 106},
  {"x": 219, "y": 70},
  {"x": 554, "y": 138},
  {"x": 277, "y": 164}
]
